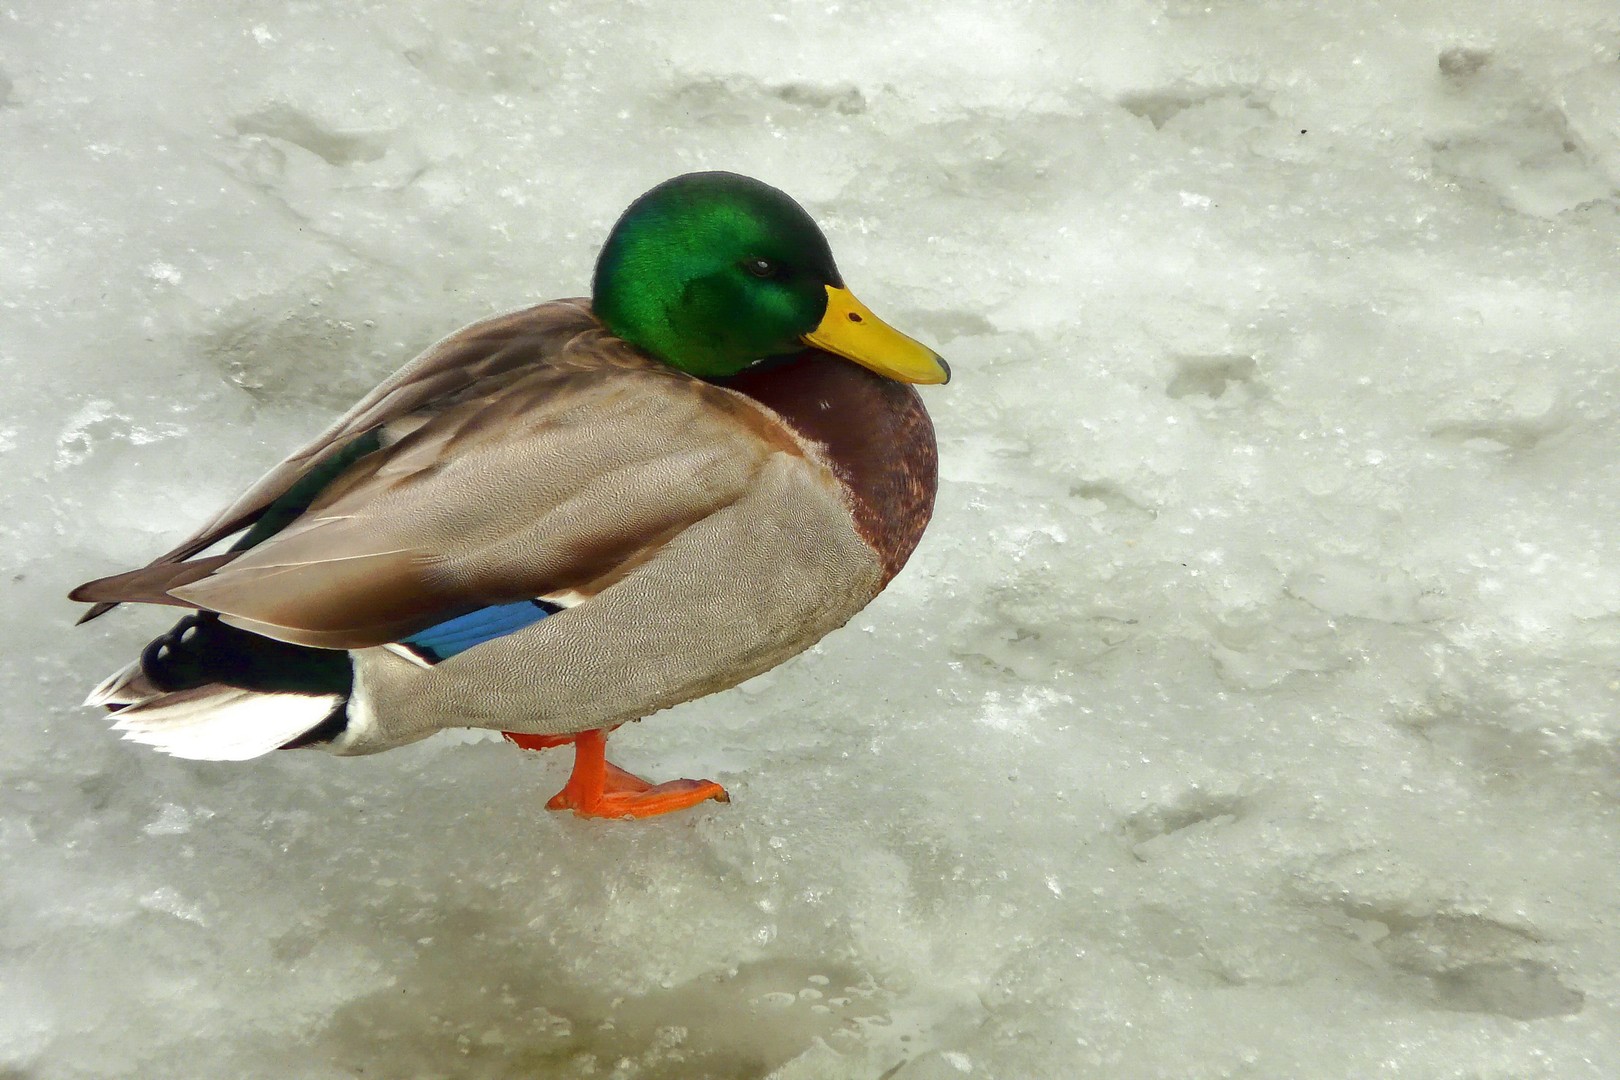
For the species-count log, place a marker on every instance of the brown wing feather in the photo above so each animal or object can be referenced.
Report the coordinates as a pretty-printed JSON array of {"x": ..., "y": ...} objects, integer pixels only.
[
  {"x": 475, "y": 354},
  {"x": 557, "y": 475},
  {"x": 149, "y": 584}
]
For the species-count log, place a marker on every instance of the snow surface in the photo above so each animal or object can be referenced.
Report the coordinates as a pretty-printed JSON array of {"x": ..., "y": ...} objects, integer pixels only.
[{"x": 1248, "y": 711}]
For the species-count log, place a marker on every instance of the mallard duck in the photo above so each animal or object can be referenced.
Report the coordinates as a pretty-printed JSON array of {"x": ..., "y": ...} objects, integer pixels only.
[{"x": 562, "y": 519}]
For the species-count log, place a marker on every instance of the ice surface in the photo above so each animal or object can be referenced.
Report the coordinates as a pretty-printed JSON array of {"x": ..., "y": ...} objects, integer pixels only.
[{"x": 1248, "y": 711}]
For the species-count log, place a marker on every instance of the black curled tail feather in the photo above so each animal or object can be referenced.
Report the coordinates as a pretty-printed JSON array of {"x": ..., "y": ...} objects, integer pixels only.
[{"x": 201, "y": 649}]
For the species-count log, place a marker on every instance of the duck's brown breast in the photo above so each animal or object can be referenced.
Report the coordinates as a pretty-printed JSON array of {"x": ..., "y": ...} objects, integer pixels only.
[{"x": 876, "y": 435}]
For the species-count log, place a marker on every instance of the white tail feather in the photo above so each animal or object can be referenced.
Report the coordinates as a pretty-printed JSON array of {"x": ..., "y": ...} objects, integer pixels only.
[
  {"x": 126, "y": 686},
  {"x": 222, "y": 723}
]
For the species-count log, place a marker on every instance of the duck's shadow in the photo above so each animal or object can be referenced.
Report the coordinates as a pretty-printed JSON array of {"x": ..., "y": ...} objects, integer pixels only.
[
  {"x": 493, "y": 962},
  {"x": 477, "y": 1002}
]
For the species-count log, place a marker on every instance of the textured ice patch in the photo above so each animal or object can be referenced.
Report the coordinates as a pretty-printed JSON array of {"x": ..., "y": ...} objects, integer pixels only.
[{"x": 1248, "y": 710}]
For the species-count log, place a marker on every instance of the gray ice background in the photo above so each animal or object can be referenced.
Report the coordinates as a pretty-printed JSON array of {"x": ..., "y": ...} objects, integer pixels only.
[{"x": 1248, "y": 711}]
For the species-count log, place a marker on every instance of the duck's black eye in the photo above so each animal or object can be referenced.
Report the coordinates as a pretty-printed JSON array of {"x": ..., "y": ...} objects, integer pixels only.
[{"x": 762, "y": 268}]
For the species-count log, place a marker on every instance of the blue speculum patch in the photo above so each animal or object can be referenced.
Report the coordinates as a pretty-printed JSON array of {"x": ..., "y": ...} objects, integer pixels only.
[{"x": 457, "y": 635}]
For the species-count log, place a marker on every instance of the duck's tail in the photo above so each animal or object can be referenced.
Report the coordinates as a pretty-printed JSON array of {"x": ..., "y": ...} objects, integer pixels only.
[
  {"x": 226, "y": 723},
  {"x": 210, "y": 691}
]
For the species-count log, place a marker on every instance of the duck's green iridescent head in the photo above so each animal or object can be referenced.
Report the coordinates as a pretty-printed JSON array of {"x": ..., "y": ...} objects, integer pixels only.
[{"x": 711, "y": 272}]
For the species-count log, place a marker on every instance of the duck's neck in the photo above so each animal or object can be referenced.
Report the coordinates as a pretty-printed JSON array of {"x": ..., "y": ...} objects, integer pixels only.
[{"x": 878, "y": 439}]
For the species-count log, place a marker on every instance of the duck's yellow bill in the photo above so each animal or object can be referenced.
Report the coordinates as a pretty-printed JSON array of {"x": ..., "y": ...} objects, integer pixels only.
[{"x": 849, "y": 329}]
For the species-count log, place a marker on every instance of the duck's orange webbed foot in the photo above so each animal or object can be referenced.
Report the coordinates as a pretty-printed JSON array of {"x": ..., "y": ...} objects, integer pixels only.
[{"x": 597, "y": 788}]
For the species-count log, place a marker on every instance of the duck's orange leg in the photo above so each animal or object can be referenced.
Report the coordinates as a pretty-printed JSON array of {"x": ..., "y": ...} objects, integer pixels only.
[
  {"x": 537, "y": 742},
  {"x": 597, "y": 788}
]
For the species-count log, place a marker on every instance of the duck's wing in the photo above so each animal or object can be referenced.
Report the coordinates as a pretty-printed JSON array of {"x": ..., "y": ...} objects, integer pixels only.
[
  {"x": 555, "y": 476},
  {"x": 475, "y": 356}
]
